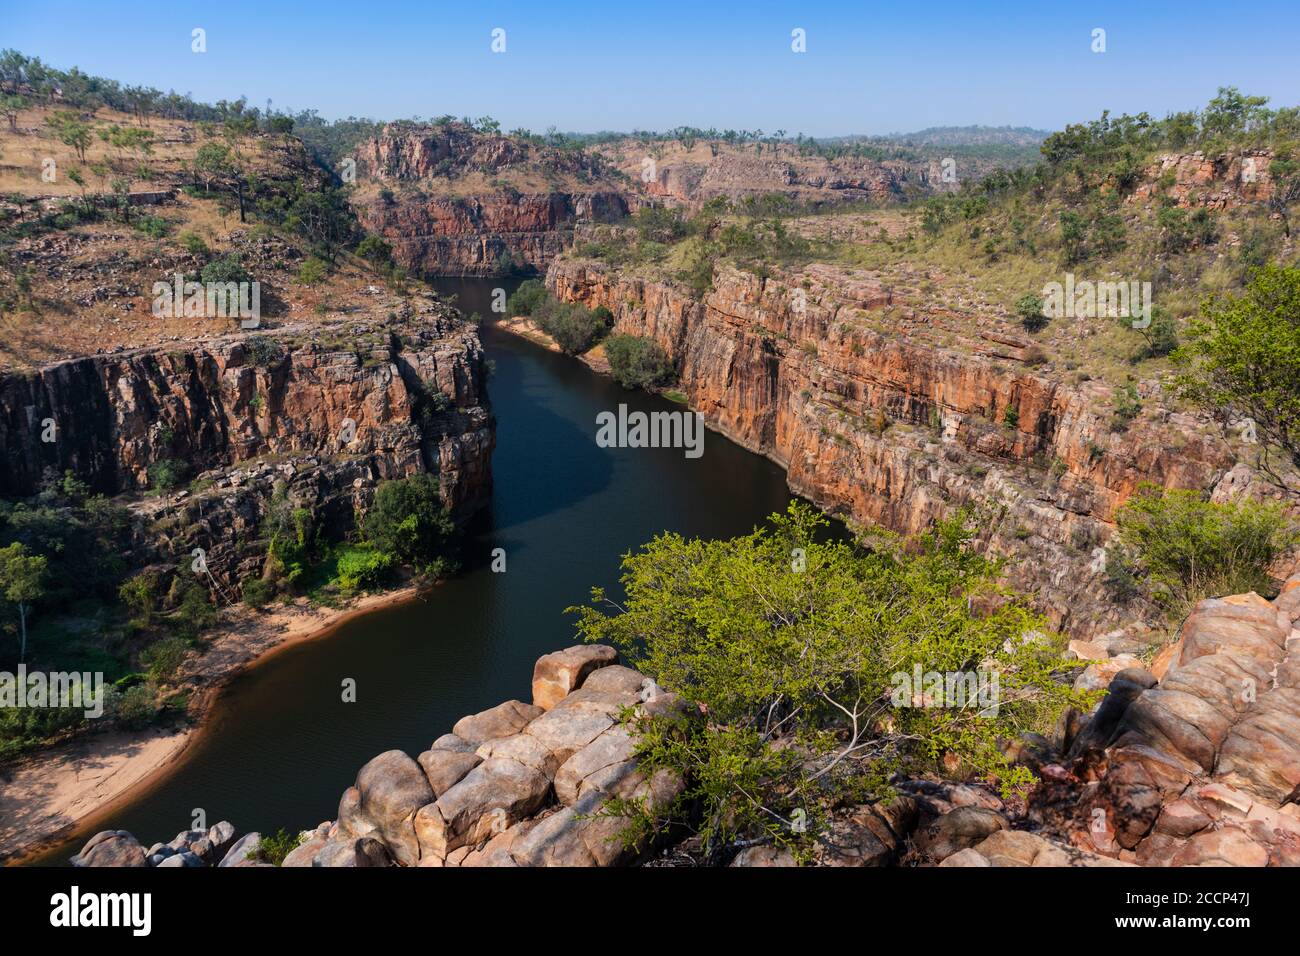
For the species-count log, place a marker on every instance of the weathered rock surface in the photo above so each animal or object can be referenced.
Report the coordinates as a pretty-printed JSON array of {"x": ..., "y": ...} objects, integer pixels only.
[
  {"x": 324, "y": 411},
  {"x": 797, "y": 371},
  {"x": 1202, "y": 767},
  {"x": 556, "y": 674}
]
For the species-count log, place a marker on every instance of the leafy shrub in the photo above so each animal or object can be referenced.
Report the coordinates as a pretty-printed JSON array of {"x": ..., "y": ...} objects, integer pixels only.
[
  {"x": 227, "y": 269},
  {"x": 163, "y": 658},
  {"x": 375, "y": 250},
  {"x": 274, "y": 848},
  {"x": 136, "y": 707},
  {"x": 193, "y": 243},
  {"x": 574, "y": 327},
  {"x": 1243, "y": 359},
  {"x": 153, "y": 226},
  {"x": 637, "y": 362},
  {"x": 1127, "y": 407},
  {"x": 790, "y": 650},
  {"x": 407, "y": 522},
  {"x": 360, "y": 568},
  {"x": 168, "y": 474},
  {"x": 257, "y": 592},
  {"x": 312, "y": 271},
  {"x": 1189, "y": 548},
  {"x": 525, "y": 300},
  {"x": 1029, "y": 308}
]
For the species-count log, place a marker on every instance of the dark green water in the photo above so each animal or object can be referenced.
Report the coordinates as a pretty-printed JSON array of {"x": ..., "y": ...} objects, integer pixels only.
[{"x": 282, "y": 746}]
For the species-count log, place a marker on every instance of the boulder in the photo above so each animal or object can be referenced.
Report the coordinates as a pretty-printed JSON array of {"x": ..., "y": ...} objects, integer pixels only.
[
  {"x": 523, "y": 748},
  {"x": 571, "y": 725},
  {"x": 111, "y": 848},
  {"x": 503, "y": 720},
  {"x": 494, "y": 795},
  {"x": 446, "y": 768},
  {"x": 556, "y": 675},
  {"x": 574, "y": 836},
  {"x": 362, "y": 852},
  {"x": 392, "y": 788},
  {"x": 764, "y": 856},
  {"x": 238, "y": 854},
  {"x": 958, "y": 830},
  {"x": 968, "y": 857},
  {"x": 603, "y": 765},
  {"x": 222, "y": 836}
]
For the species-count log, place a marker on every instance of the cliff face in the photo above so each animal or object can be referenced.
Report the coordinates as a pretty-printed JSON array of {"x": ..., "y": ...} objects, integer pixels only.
[
  {"x": 321, "y": 412},
  {"x": 453, "y": 202},
  {"x": 895, "y": 431},
  {"x": 483, "y": 234}
]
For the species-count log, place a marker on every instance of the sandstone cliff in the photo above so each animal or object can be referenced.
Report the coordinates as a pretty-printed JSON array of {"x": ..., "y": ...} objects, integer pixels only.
[
  {"x": 319, "y": 411},
  {"x": 894, "y": 429},
  {"x": 453, "y": 202}
]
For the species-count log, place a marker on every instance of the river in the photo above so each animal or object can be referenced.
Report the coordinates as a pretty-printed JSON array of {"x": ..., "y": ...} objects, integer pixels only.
[{"x": 282, "y": 746}]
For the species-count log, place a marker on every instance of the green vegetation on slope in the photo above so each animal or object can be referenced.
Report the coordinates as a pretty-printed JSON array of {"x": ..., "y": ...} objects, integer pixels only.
[{"x": 795, "y": 657}]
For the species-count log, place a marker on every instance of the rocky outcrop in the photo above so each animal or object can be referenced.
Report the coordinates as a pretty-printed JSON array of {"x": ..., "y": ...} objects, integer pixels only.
[
  {"x": 1222, "y": 181},
  {"x": 319, "y": 413},
  {"x": 515, "y": 785},
  {"x": 895, "y": 430},
  {"x": 1203, "y": 766},
  {"x": 486, "y": 234}
]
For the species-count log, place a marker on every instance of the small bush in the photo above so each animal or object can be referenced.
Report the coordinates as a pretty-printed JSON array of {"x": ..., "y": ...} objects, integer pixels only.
[
  {"x": 575, "y": 328},
  {"x": 312, "y": 271},
  {"x": 136, "y": 707},
  {"x": 1188, "y": 548},
  {"x": 1029, "y": 308},
  {"x": 637, "y": 362},
  {"x": 193, "y": 243},
  {"x": 168, "y": 474},
  {"x": 258, "y": 592},
  {"x": 362, "y": 568},
  {"x": 228, "y": 269},
  {"x": 162, "y": 659},
  {"x": 525, "y": 300},
  {"x": 274, "y": 848}
]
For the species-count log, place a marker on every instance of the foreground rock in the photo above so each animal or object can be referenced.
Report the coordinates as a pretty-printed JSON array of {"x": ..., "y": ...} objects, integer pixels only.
[{"x": 1200, "y": 768}]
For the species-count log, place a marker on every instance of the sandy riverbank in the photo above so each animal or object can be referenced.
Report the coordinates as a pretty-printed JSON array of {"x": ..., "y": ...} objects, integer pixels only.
[{"x": 71, "y": 788}]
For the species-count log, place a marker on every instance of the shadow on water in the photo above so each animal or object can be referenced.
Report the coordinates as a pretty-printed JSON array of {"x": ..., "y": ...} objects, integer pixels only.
[{"x": 283, "y": 746}]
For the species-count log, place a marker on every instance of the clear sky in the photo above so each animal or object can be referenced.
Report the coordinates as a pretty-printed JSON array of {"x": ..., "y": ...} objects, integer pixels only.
[{"x": 870, "y": 67}]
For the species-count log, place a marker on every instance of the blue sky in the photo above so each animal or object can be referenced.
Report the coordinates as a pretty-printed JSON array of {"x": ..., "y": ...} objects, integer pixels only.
[{"x": 870, "y": 67}]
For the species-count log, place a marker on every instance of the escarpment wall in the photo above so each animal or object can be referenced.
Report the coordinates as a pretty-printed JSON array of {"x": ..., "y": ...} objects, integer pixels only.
[
  {"x": 454, "y": 202},
  {"x": 322, "y": 413},
  {"x": 888, "y": 429},
  {"x": 475, "y": 235}
]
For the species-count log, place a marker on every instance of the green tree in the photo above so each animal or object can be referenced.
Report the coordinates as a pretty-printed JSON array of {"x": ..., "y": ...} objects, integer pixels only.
[
  {"x": 409, "y": 524},
  {"x": 795, "y": 654},
  {"x": 637, "y": 362},
  {"x": 526, "y": 299},
  {"x": 22, "y": 583},
  {"x": 1188, "y": 548},
  {"x": 11, "y": 106},
  {"x": 1241, "y": 360}
]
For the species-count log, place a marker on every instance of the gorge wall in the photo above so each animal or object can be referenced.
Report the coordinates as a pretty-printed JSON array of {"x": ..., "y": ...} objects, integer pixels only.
[
  {"x": 321, "y": 412},
  {"x": 889, "y": 429},
  {"x": 452, "y": 202}
]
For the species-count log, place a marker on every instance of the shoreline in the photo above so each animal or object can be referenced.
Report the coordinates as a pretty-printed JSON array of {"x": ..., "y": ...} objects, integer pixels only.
[{"x": 68, "y": 790}]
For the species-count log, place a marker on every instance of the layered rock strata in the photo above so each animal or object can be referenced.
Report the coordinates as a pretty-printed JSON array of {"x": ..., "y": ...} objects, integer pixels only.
[
  {"x": 320, "y": 413},
  {"x": 894, "y": 430}
]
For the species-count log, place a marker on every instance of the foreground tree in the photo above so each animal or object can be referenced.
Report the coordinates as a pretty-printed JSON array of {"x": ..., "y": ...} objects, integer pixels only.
[
  {"x": 22, "y": 582},
  {"x": 813, "y": 670},
  {"x": 1242, "y": 363}
]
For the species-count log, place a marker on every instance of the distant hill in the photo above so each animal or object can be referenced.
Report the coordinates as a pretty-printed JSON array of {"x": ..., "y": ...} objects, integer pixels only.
[{"x": 972, "y": 136}]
